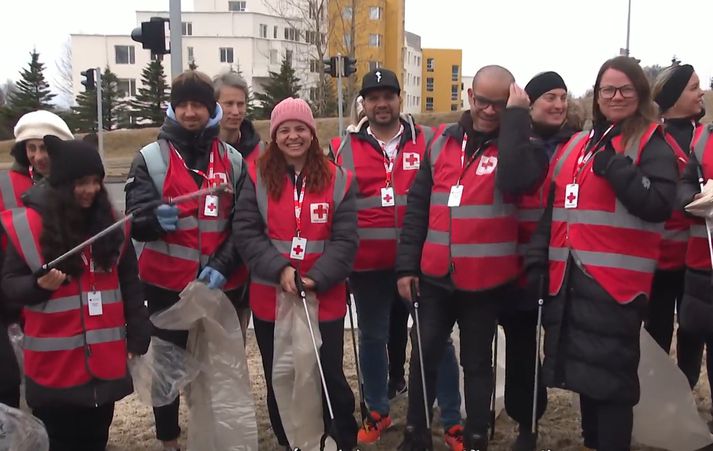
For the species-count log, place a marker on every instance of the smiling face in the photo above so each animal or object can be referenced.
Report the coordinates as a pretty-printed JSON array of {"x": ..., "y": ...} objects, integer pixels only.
[
  {"x": 86, "y": 190},
  {"x": 617, "y": 97},
  {"x": 382, "y": 107},
  {"x": 488, "y": 98},
  {"x": 192, "y": 116},
  {"x": 293, "y": 138},
  {"x": 690, "y": 103},
  {"x": 550, "y": 109},
  {"x": 38, "y": 157}
]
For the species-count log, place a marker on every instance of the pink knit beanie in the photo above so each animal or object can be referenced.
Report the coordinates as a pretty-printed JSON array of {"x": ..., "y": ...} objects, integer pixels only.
[{"x": 291, "y": 110}]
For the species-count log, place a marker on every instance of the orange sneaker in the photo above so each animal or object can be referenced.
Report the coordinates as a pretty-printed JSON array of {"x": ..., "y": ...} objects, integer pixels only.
[
  {"x": 454, "y": 437},
  {"x": 373, "y": 426}
]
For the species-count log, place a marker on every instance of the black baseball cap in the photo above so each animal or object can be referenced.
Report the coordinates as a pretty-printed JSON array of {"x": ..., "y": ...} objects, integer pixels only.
[{"x": 379, "y": 79}]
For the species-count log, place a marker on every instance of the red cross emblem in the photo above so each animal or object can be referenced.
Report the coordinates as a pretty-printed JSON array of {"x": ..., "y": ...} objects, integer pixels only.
[
  {"x": 297, "y": 250},
  {"x": 571, "y": 198},
  {"x": 412, "y": 161},
  {"x": 319, "y": 212},
  {"x": 388, "y": 198},
  {"x": 487, "y": 165},
  {"x": 210, "y": 206}
]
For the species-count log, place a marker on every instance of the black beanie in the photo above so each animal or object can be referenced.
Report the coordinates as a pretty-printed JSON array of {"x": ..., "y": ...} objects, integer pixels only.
[
  {"x": 542, "y": 83},
  {"x": 72, "y": 160},
  {"x": 674, "y": 86},
  {"x": 195, "y": 89}
]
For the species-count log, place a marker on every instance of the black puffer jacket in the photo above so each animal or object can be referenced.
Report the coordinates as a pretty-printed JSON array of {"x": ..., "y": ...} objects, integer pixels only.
[
  {"x": 9, "y": 371},
  {"x": 20, "y": 286},
  {"x": 195, "y": 149},
  {"x": 249, "y": 139},
  {"x": 592, "y": 342}
]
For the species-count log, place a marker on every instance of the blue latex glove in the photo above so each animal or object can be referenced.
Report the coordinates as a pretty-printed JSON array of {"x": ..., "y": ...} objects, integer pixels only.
[
  {"x": 212, "y": 277},
  {"x": 167, "y": 216}
]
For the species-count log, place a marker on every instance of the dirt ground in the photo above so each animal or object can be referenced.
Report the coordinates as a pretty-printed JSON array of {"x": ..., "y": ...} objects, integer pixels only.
[{"x": 133, "y": 428}]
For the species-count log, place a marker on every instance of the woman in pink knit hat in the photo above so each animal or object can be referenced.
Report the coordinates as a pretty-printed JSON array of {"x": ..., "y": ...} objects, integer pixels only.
[{"x": 298, "y": 219}]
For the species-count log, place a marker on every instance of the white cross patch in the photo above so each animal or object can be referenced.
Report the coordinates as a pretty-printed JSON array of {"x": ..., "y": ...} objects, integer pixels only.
[{"x": 319, "y": 213}]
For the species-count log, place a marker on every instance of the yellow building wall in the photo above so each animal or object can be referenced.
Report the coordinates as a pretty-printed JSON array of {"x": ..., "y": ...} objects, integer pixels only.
[
  {"x": 389, "y": 26},
  {"x": 439, "y": 81}
]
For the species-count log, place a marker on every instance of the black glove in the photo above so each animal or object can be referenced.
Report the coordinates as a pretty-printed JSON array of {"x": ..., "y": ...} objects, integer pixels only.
[{"x": 602, "y": 160}]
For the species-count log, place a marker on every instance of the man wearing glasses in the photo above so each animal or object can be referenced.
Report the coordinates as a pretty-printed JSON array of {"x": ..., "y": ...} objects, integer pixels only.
[{"x": 459, "y": 244}]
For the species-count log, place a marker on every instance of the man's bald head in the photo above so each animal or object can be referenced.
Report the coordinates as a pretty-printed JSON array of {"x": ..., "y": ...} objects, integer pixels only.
[
  {"x": 494, "y": 72},
  {"x": 488, "y": 97}
]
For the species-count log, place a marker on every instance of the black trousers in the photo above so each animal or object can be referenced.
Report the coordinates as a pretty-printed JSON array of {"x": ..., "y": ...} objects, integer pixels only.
[
  {"x": 166, "y": 417},
  {"x": 398, "y": 338},
  {"x": 332, "y": 357},
  {"x": 666, "y": 294},
  {"x": 74, "y": 428},
  {"x": 606, "y": 426},
  {"x": 476, "y": 315},
  {"x": 520, "y": 328}
]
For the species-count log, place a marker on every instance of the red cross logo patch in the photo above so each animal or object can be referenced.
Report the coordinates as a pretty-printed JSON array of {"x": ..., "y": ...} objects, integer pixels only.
[
  {"x": 487, "y": 165},
  {"x": 319, "y": 213},
  {"x": 412, "y": 161}
]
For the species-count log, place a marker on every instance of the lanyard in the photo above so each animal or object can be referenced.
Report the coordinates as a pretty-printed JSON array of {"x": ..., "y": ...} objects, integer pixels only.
[
  {"x": 299, "y": 198},
  {"x": 210, "y": 177},
  {"x": 32, "y": 173},
  {"x": 388, "y": 166},
  {"x": 585, "y": 155},
  {"x": 89, "y": 261},
  {"x": 465, "y": 165}
]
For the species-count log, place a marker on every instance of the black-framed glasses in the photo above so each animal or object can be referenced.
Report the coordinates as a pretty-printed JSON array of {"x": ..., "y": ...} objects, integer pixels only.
[
  {"x": 482, "y": 103},
  {"x": 609, "y": 92}
]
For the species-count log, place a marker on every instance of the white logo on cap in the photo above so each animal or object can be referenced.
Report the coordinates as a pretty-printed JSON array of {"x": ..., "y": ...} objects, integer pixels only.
[{"x": 378, "y": 76}]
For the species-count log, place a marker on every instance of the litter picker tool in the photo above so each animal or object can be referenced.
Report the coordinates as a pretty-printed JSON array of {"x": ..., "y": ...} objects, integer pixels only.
[
  {"x": 416, "y": 305},
  {"x": 538, "y": 344},
  {"x": 362, "y": 402}
]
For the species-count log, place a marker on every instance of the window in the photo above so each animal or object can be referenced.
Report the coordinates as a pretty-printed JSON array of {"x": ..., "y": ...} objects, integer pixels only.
[
  {"x": 274, "y": 32},
  {"x": 288, "y": 56},
  {"x": 186, "y": 28},
  {"x": 313, "y": 95},
  {"x": 238, "y": 7},
  {"x": 373, "y": 65},
  {"x": 455, "y": 71},
  {"x": 273, "y": 56},
  {"x": 430, "y": 64},
  {"x": 429, "y": 84},
  {"x": 191, "y": 56},
  {"x": 454, "y": 92},
  {"x": 347, "y": 41},
  {"x": 374, "y": 13},
  {"x": 429, "y": 103},
  {"x": 454, "y": 107},
  {"x": 292, "y": 34},
  {"x": 347, "y": 12},
  {"x": 418, "y": 60},
  {"x": 124, "y": 54},
  {"x": 314, "y": 66},
  {"x": 374, "y": 40},
  {"x": 226, "y": 55},
  {"x": 126, "y": 87},
  {"x": 263, "y": 30}
]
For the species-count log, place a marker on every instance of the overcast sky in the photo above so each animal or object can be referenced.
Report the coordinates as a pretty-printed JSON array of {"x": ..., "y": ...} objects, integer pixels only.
[{"x": 572, "y": 37}]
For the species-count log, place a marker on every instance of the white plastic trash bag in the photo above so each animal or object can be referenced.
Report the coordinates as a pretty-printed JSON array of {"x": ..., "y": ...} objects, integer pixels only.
[
  {"x": 20, "y": 431},
  {"x": 703, "y": 206},
  {"x": 161, "y": 373},
  {"x": 666, "y": 416},
  {"x": 220, "y": 403},
  {"x": 499, "y": 381}
]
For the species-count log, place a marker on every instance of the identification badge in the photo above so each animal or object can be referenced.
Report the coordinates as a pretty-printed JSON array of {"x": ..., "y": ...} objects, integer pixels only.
[
  {"x": 571, "y": 195},
  {"x": 94, "y": 299},
  {"x": 455, "y": 195},
  {"x": 211, "y": 206},
  {"x": 387, "y": 197},
  {"x": 298, "y": 249}
]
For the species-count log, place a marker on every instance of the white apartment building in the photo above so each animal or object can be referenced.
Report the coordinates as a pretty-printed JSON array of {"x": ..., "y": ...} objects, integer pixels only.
[
  {"x": 217, "y": 36},
  {"x": 411, "y": 90}
]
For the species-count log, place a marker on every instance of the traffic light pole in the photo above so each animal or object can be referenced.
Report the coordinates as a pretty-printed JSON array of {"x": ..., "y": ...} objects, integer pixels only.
[
  {"x": 176, "y": 47},
  {"x": 100, "y": 119},
  {"x": 340, "y": 94}
]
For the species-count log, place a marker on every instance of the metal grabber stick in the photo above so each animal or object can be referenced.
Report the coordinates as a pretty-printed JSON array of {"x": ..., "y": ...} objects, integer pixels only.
[
  {"x": 360, "y": 381},
  {"x": 538, "y": 345},
  {"x": 416, "y": 305},
  {"x": 708, "y": 229}
]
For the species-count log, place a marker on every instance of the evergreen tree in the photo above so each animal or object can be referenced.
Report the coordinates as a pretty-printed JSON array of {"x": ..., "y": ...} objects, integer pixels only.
[
  {"x": 85, "y": 113},
  {"x": 152, "y": 96},
  {"x": 279, "y": 87},
  {"x": 326, "y": 103},
  {"x": 32, "y": 91}
]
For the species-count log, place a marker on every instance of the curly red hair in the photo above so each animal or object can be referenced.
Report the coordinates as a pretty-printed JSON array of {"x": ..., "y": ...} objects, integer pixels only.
[{"x": 273, "y": 168}]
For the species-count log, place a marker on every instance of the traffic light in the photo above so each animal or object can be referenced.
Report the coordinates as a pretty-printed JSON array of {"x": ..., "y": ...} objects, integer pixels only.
[
  {"x": 154, "y": 35},
  {"x": 330, "y": 66},
  {"x": 88, "y": 81},
  {"x": 349, "y": 66}
]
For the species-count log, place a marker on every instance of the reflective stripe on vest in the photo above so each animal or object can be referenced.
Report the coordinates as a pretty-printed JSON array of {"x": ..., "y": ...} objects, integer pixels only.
[
  {"x": 48, "y": 344},
  {"x": 7, "y": 191},
  {"x": 67, "y": 303},
  {"x": 574, "y": 230},
  {"x": 28, "y": 249}
]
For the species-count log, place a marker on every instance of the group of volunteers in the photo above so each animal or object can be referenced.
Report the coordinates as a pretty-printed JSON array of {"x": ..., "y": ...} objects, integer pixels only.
[{"x": 511, "y": 216}]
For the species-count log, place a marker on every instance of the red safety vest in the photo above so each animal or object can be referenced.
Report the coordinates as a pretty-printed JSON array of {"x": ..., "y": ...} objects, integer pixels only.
[
  {"x": 379, "y": 226},
  {"x": 173, "y": 261},
  {"x": 13, "y": 185},
  {"x": 698, "y": 253},
  {"x": 475, "y": 242},
  {"x": 316, "y": 217},
  {"x": 257, "y": 151},
  {"x": 674, "y": 239},
  {"x": 64, "y": 346},
  {"x": 616, "y": 248}
]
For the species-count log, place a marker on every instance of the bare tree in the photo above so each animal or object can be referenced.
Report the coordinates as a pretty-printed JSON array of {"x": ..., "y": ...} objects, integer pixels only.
[{"x": 63, "y": 78}]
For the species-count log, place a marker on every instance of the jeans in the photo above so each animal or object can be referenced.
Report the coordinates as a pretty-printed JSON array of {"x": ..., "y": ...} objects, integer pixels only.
[
  {"x": 375, "y": 294},
  {"x": 476, "y": 314}
]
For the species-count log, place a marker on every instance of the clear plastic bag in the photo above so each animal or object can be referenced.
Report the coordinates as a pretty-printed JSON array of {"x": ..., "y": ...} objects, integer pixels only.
[
  {"x": 220, "y": 404},
  {"x": 666, "y": 416},
  {"x": 161, "y": 373},
  {"x": 20, "y": 431}
]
